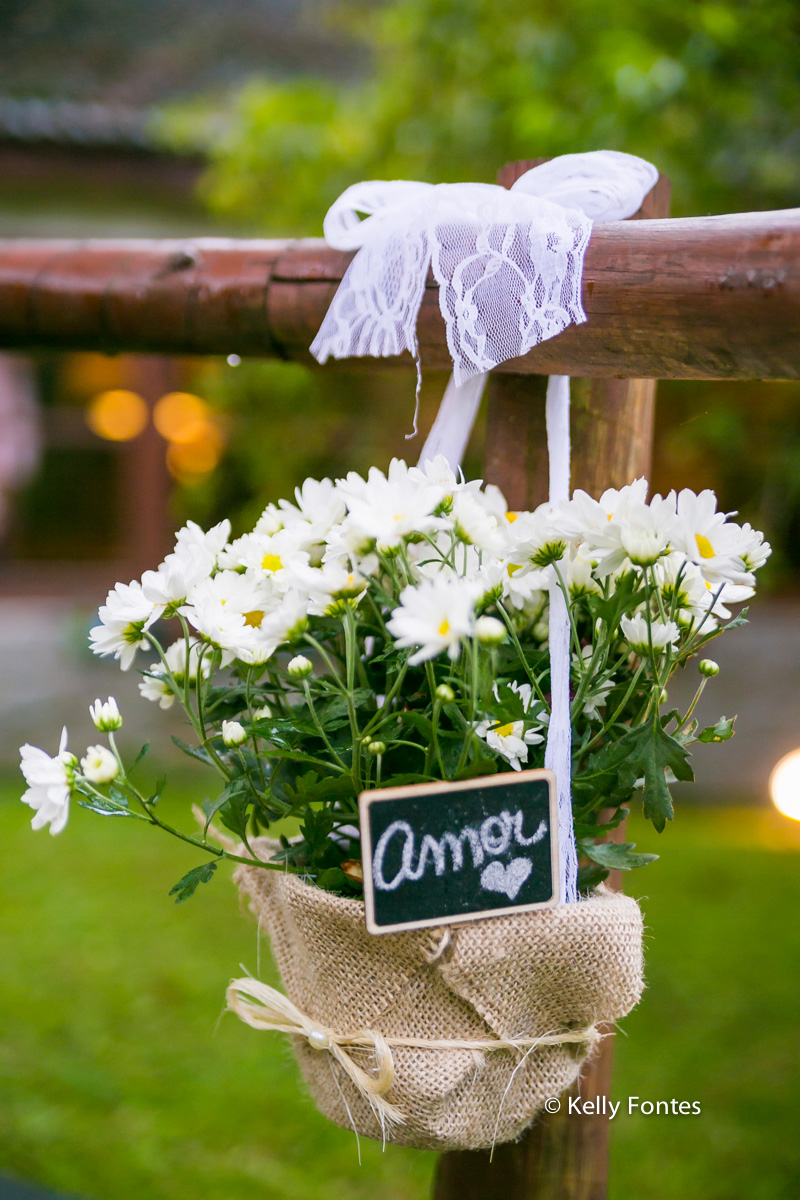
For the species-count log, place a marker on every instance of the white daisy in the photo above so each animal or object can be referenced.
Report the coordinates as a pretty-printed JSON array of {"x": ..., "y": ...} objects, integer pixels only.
[
  {"x": 436, "y": 615},
  {"x": 476, "y": 525},
  {"x": 582, "y": 516},
  {"x": 50, "y": 782},
  {"x": 512, "y": 739},
  {"x": 662, "y": 633},
  {"x": 721, "y": 549},
  {"x": 227, "y": 610},
  {"x": 320, "y": 506},
  {"x": 124, "y": 618},
  {"x": 192, "y": 541},
  {"x": 540, "y": 537},
  {"x": 99, "y": 765},
  {"x": 386, "y": 510},
  {"x": 286, "y": 622},
  {"x": 274, "y": 557},
  {"x": 155, "y": 686},
  {"x": 170, "y": 584},
  {"x": 642, "y": 535},
  {"x": 332, "y": 582}
]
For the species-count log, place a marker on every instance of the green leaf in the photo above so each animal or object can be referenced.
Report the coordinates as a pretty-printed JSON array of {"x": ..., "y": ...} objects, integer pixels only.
[
  {"x": 481, "y": 764},
  {"x": 159, "y": 788},
  {"x": 721, "y": 732},
  {"x": 106, "y": 808},
  {"x": 197, "y": 752},
  {"x": 584, "y": 829},
  {"x": 590, "y": 877},
  {"x": 406, "y": 779},
  {"x": 119, "y": 797},
  {"x": 139, "y": 757},
  {"x": 645, "y": 752},
  {"x": 233, "y": 812},
  {"x": 625, "y": 598},
  {"x": 736, "y": 622},
  {"x": 332, "y": 880},
  {"x": 617, "y": 856},
  {"x": 187, "y": 886}
]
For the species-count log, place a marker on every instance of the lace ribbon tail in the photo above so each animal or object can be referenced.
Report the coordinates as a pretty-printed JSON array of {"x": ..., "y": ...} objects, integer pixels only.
[
  {"x": 558, "y": 753},
  {"x": 452, "y": 429}
]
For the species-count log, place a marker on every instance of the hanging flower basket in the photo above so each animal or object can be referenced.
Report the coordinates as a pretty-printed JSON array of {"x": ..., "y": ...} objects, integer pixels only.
[
  {"x": 491, "y": 989},
  {"x": 394, "y": 630}
]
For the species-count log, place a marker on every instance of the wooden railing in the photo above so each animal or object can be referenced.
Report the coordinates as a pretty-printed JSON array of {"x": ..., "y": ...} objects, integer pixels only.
[{"x": 707, "y": 297}]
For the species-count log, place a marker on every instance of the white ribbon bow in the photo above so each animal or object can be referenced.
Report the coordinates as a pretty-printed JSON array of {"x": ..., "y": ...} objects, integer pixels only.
[
  {"x": 508, "y": 262},
  {"x": 509, "y": 265}
]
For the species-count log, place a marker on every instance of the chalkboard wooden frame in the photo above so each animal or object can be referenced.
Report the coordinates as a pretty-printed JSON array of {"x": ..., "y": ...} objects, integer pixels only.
[{"x": 367, "y": 802}]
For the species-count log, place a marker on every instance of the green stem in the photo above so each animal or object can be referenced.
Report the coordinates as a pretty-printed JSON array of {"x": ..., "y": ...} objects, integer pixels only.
[
  {"x": 384, "y": 712},
  {"x": 520, "y": 654},
  {"x": 319, "y": 727},
  {"x": 692, "y": 706}
]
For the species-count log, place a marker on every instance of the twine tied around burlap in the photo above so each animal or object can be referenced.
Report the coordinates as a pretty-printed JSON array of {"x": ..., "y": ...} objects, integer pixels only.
[
  {"x": 439, "y": 1039},
  {"x": 274, "y": 1011}
]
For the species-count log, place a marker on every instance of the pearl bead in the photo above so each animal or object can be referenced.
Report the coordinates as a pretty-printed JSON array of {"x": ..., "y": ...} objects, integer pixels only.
[{"x": 319, "y": 1039}]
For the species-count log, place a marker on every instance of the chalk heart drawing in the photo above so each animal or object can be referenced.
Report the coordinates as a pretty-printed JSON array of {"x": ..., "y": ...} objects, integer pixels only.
[{"x": 497, "y": 878}]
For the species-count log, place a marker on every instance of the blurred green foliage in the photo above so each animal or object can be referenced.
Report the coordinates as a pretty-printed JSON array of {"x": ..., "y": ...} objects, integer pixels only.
[
  {"x": 708, "y": 91},
  {"x": 119, "y": 1077}
]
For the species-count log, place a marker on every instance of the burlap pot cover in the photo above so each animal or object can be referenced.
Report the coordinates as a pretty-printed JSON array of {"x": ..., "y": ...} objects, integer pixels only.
[{"x": 517, "y": 976}]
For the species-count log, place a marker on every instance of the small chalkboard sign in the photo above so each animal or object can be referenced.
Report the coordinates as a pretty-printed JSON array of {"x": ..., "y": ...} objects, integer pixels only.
[{"x": 440, "y": 853}]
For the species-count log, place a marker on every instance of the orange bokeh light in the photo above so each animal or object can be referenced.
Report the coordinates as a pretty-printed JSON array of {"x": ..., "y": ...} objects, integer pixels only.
[
  {"x": 179, "y": 417},
  {"x": 117, "y": 415},
  {"x": 190, "y": 460}
]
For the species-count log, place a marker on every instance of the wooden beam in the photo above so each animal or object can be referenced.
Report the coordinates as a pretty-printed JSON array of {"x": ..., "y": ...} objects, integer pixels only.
[{"x": 696, "y": 298}]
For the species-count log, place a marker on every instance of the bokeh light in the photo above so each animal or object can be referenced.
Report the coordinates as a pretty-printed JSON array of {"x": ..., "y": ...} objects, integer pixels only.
[
  {"x": 117, "y": 415},
  {"x": 195, "y": 438},
  {"x": 784, "y": 785},
  {"x": 179, "y": 416}
]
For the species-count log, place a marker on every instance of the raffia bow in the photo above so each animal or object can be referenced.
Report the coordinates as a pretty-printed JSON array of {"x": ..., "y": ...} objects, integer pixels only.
[{"x": 264, "y": 1007}]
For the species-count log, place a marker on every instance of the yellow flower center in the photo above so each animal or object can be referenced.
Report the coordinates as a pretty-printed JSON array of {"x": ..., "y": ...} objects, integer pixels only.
[
  {"x": 271, "y": 562},
  {"x": 704, "y": 546},
  {"x": 444, "y": 628},
  {"x": 512, "y": 567},
  {"x": 504, "y": 730},
  {"x": 511, "y": 517},
  {"x": 254, "y": 618}
]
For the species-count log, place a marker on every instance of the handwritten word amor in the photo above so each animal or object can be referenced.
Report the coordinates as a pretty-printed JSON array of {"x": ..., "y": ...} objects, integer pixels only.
[{"x": 492, "y": 837}]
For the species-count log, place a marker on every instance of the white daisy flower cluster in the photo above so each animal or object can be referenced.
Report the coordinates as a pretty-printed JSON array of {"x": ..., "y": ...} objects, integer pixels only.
[
  {"x": 445, "y": 551},
  {"x": 396, "y": 627}
]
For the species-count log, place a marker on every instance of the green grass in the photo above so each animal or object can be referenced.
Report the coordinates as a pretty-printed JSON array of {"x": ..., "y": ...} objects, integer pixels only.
[{"x": 117, "y": 1081}]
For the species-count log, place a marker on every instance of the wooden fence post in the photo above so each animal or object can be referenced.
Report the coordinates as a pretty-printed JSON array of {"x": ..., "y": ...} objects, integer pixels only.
[{"x": 563, "y": 1156}]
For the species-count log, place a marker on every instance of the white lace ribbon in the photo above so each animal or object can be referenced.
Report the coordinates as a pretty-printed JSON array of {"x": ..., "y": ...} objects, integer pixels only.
[
  {"x": 509, "y": 265},
  {"x": 558, "y": 751}
]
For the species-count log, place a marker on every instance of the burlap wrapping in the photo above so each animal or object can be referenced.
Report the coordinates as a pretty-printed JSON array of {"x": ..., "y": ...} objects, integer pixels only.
[{"x": 512, "y": 977}]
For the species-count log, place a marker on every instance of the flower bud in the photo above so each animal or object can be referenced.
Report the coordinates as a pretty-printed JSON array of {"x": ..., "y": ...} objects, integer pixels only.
[
  {"x": 99, "y": 765},
  {"x": 490, "y": 631},
  {"x": 376, "y": 748},
  {"x": 262, "y": 714},
  {"x": 445, "y": 694},
  {"x": 541, "y": 631},
  {"x": 300, "y": 667},
  {"x": 233, "y": 733},
  {"x": 708, "y": 667},
  {"x": 105, "y": 717}
]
